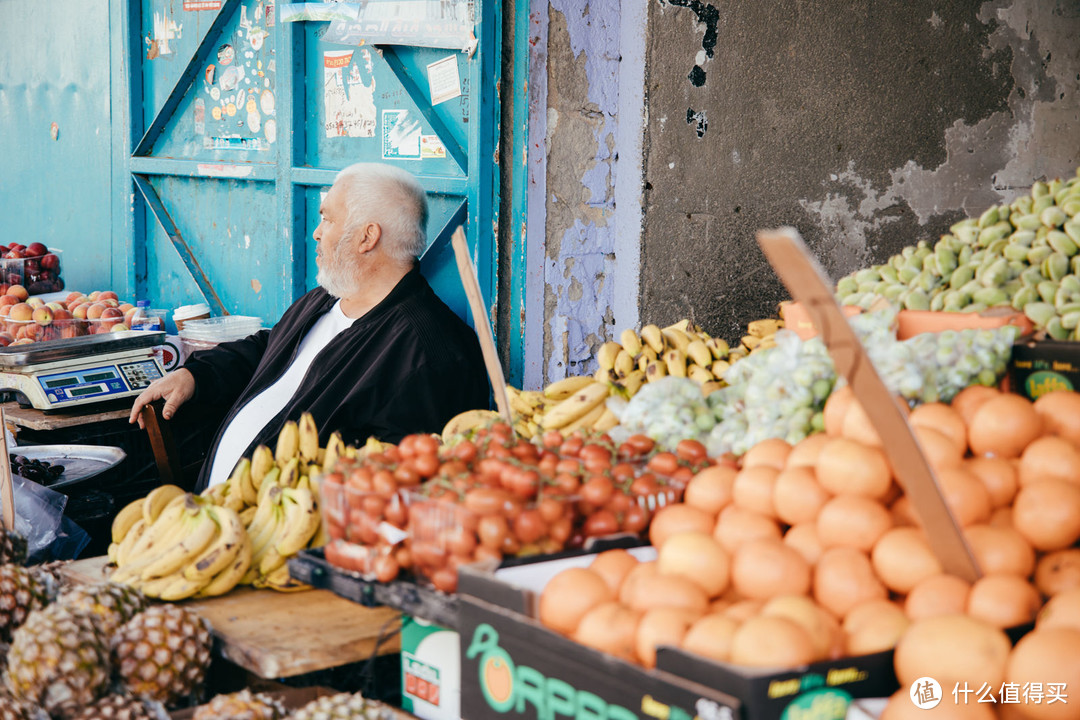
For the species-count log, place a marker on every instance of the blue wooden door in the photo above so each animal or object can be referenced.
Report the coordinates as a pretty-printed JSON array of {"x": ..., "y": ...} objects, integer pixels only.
[{"x": 233, "y": 123}]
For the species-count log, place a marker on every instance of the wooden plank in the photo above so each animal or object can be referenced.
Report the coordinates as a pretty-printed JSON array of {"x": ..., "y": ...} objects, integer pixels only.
[
  {"x": 7, "y": 487},
  {"x": 276, "y": 635},
  {"x": 34, "y": 419}
]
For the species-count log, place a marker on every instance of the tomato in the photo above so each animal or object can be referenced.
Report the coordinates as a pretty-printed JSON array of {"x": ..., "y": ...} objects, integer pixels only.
[
  {"x": 502, "y": 431},
  {"x": 620, "y": 502},
  {"x": 547, "y": 463},
  {"x": 551, "y": 509},
  {"x": 404, "y": 558},
  {"x": 452, "y": 468},
  {"x": 641, "y": 444},
  {"x": 361, "y": 528},
  {"x": 523, "y": 483},
  {"x": 444, "y": 579},
  {"x": 691, "y": 451},
  {"x": 461, "y": 541},
  {"x": 568, "y": 465},
  {"x": 383, "y": 482},
  {"x": 426, "y": 444},
  {"x": 567, "y": 483},
  {"x": 664, "y": 463},
  {"x": 623, "y": 471},
  {"x": 386, "y": 568},
  {"x": 571, "y": 446},
  {"x": 601, "y": 522},
  {"x": 597, "y": 490},
  {"x": 510, "y": 545},
  {"x": 406, "y": 475},
  {"x": 526, "y": 452},
  {"x": 552, "y": 439},
  {"x": 360, "y": 479},
  {"x": 683, "y": 474},
  {"x": 396, "y": 512},
  {"x": 644, "y": 486},
  {"x": 336, "y": 531},
  {"x": 499, "y": 452},
  {"x": 596, "y": 458},
  {"x": 492, "y": 530},
  {"x": 374, "y": 505},
  {"x": 489, "y": 468},
  {"x": 635, "y": 519},
  {"x": 407, "y": 446},
  {"x": 426, "y": 465},
  {"x": 487, "y": 501},
  {"x": 428, "y": 554},
  {"x": 465, "y": 451},
  {"x": 530, "y": 526}
]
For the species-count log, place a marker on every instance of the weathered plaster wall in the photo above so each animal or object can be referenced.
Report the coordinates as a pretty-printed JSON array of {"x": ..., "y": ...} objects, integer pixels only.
[{"x": 866, "y": 125}]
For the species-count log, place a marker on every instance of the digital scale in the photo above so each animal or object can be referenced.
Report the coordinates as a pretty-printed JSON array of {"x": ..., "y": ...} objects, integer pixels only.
[{"x": 64, "y": 374}]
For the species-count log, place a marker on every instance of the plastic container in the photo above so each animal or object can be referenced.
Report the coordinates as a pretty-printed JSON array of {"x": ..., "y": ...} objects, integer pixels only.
[
  {"x": 184, "y": 313},
  {"x": 202, "y": 334},
  {"x": 21, "y": 331},
  {"x": 363, "y": 524},
  {"x": 38, "y": 274}
]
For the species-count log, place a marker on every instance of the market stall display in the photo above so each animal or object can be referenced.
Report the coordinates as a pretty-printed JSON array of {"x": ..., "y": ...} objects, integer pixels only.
[{"x": 33, "y": 268}]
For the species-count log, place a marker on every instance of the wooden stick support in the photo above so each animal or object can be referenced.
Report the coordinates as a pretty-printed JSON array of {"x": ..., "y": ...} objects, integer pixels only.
[
  {"x": 483, "y": 325},
  {"x": 7, "y": 486},
  {"x": 808, "y": 284}
]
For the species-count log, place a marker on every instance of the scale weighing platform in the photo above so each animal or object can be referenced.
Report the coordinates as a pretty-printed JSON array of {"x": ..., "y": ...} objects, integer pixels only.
[{"x": 65, "y": 374}]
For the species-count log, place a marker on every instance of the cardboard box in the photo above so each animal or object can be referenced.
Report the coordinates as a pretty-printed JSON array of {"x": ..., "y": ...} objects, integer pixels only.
[
  {"x": 430, "y": 670},
  {"x": 1039, "y": 367}
]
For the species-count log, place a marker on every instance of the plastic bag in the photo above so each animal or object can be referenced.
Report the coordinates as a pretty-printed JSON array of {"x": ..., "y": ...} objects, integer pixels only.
[{"x": 39, "y": 512}]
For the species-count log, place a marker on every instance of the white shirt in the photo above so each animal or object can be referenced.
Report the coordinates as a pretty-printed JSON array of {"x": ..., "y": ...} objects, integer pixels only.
[{"x": 267, "y": 404}]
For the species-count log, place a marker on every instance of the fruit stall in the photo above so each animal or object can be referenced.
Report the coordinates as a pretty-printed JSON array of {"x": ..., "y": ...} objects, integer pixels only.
[{"x": 868, "y": 507}]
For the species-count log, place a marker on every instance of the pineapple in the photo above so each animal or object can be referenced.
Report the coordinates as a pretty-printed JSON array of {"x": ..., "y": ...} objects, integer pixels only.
[
  {"x": 241, "y": 705},
  {"x": 122, "y": 707},
  {"x": 109, "y": 604},
  {"x": 343, "y": 706},
  {"x": 12, "y": 547},
  {"x": 12, "y": 709},
  {"x": 162, "y": 653},
  {"x": 59, "y": 660},
  {"x": 21, "y": 591}
]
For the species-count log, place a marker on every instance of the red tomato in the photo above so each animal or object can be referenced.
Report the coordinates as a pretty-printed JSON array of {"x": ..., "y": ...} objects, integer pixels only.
[
  {"x": 529, "y": 526},
  {"x": 601, "y": 522},
  {"x": 360, "y": 479},
  {"x": 444, "y": 579},
  {"x": 683, "y": 474},
  {"x": 568, "y": 465},
  {"x": 642, "y": 444},
  {"x": 691, "y": 451},
  {"x": 403, "y": 556},
  {"x": 428, "y": 554},
  {"x": 461, "y": 541},
  {"x": 465, "y": 451},
  {"x": 426, "y": 445},
  {"x": 644, "y": 486},
  {"x": 571, "y": 447},
  {"x": 374, "y": 505},
  {"x": 567, "y": 483},
  {"x": 396, "y": 512},
  {"x": 386, "y": 568},
  {"x": 597, "y": 458},
  {"x": 493, "y": 530},
  {"x": 524, "y": 483},
  {"x": 510, "y": 545},
  {"x": 547, "y": 463},
  {"x": 622, "y": 471},
  {"x": 336, "y": 531},
  {"x": 426, "y": 465},
  {"x": 383, "y": 482},
  {"x": 597, "y": 490},
  {"x": 552, "y": 439},
  {"x": 407, "y": 446},
  {"x": 664, "y": 463},
  {"x": 619, "y": 503},
  {"x": 551, "y": 509},
  {"x": 635, "y": 519},
  {"x": 487, "y": 501},
  {"x": 406, "y": 475},
  {"x": 499, "y": 452},
  {"x": 452, "y": 468},
  {"x": 526, "y": 452}
]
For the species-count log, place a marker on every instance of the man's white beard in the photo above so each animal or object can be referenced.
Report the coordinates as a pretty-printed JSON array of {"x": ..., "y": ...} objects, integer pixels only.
[{"x": 333, "y": 274}]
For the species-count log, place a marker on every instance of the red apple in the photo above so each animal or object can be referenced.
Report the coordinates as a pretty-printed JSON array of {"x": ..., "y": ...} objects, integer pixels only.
[{"x": 50, "y": 261}]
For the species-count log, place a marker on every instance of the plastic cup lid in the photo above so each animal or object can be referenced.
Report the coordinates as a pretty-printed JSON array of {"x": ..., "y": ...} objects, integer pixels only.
[{"x": 186, "y": 311}]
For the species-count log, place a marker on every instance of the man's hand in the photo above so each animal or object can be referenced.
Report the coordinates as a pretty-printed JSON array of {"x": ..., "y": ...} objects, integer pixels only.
[{"x": 176, "y": 388}]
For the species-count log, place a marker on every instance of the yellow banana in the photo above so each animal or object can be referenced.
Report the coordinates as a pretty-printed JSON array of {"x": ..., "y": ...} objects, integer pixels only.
[
  {"x": 574, "y": 407},
  {"x": 123, "y": 549},
  {"x": 711, "y": 387},
  {"x": 261, "y": 462},
  {"x": 181, "y": 588},
  {"x": 152, "y": 588},
  {"x": 676, "y": 338},
  {"x": 675, "y": 361},
  {"x": 270, "y": 481},
  {"x": 605, "y": 356},
  {"x": 126, "y": 518},
  {"x": 604, "y": 376},
  {"x": 586, "y": 420},
  {"x": 698, "y": 373},
  {"x": 301, "y": 521},
  {"x": 219, "y": 554},
  {"x": 202, "y": 531},
  {"x": 334, "y": 447},
  {"x": 533, "y": 398},
  {"x": 240, "y": 482},
  {"x": 719, "y": 348},
  {"x": 699, "y": 352},
  {"x": 156, "y": 501},
  {"x": 624, "y": 364},
  {"x": 281, "y": 581},
  {"x": 630, "y": 342},
  {"x": 606, "y": 421},
  {"x": 517, "y": 405},
  {"x": 750, "y": 342},
  {"x": 215, "y": 493},
  {"x": 248, "y": 513},
  {"x": 320, "y": 538},
  {"x": 763, "y": 328},
  {"x": 266, "y": 521},
  {"x": 288, "y": 443},
  {"x": 655, "y": 370},
  {"x": 309, "y": 438},
  {"x": 562, "y": 389},
  {"x": 290, "y": 473},
  {"x": 718, "y": 368},
  {"x": 228, "y": 578},
  {"x": 629, "y": 385},
  {"x": 654, "y": 338},
  {"x": 682, "y": 326},
  {"x": 234, "y": 497},
  {"x": 154, "y": 536},
  {"x": 111, "y": 553}
]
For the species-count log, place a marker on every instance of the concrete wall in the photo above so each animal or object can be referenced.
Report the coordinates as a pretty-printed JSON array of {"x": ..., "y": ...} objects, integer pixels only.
[{"x": 866, "y": 125}]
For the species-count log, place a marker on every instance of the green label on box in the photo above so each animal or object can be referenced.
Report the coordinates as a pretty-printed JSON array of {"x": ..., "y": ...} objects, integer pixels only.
[
  {"x": 1043, "y": 382},
  {"x": 824, "y": 704}
]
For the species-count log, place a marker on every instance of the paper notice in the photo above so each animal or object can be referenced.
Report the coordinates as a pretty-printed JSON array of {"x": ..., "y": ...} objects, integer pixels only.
[
  {"x": 443, "y": 79},
  {"x": 400, "y": 135},
  {"x": 349, "y": 102}
]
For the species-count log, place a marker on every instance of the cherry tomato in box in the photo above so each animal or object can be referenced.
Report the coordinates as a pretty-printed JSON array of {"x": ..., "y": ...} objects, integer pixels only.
[
  {"x": 383, "y": 482},
  {"x": 460, "y": 541},
  {"x": 641, "y": 444},
  {"x": 465, "y": 451},
  {"x": 406, "y": 475},
  {"x": 691, "y": 451},
  {"x": 397, "y": 512},
  {"x": 373, "y": 505},
  {"x": 407, "y": 446},
  {"x": 523, "y": 483},
  {"x": 597, "y": 490},
  {"x": 428, "y": 554},
  {"x": 571, "y": 447},
  {"x": 551, "y": 509},
  {"x": 444, "y": 579},
  {"x": 386, "y": 568},
  {"x": 644, "y": 485},
  {"x": 530, "y": 526},
  {"x": 635, "y": 519},
  {"x": 526, "y": 452},
  {"x": 487, "y": 501},
  {"x": 552, "y": 439},
  {"x": 492, "y": 530},
  {"x": 601, "y": 522},
  {"x": 567, "y": 483},
  {"x": 360, "y": 480},
  {"x": 426, "y": 445},
  {"x": 426, "y": 465},
  {"x": 664, "y": 463},
  {"x": 619, "y": 503},
  {"x": 452, "y": 469},
  {"x": 623, "y": 471},
  {"x": 336, "y": 531}
]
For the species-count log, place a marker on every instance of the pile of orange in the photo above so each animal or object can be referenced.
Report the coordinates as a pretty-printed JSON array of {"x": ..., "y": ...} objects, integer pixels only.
[{"x": 812, "y": 551}]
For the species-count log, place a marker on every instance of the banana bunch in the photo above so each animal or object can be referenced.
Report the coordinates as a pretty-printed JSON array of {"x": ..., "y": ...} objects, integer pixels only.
[
  {"x": 681, "y": 350},
  {"x": 567, "y": 405},
  {"x": 286, "y": 520},
  {"x": 760, "y": 335},
  {"x": 174, "y": 545}
]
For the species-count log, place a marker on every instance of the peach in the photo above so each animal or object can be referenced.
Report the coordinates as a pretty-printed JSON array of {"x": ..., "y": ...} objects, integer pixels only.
[
  {"x": 42, "y": 316},
  {"x": 70, "y": 331},
  {"x": 109, "y": 302},
  {"x": 35, "y": 302},
  {"x": 5, "y": 339},
  {"x": 79, "y": 311},
  {"x": 54, "y": 306},
  {"x": 18, "y": 291},
  {"x": 119, "y": 327},
  {"x": 125, "y": 307},
  {"x": 94, "y": 296},
  {"x": 61, "y": 314},
  {"x": 22, "y": 341},
  {"x": 21, "y": 312},
  {"x": 73, "y": 295},
  {"x": 95, "y": 311},
  {"x": 8, "y": 299},
  {"x": 5, "y": 309},
  {"x": 110, "y": 313},
  {"x": 109, "y": 295},
  {"x": 76, "y": 301},
  {"x": 50, "y": 333},
  {"x": 129, "y": 315}
]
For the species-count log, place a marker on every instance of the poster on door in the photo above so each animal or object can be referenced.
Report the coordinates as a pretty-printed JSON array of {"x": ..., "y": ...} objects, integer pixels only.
[
  {"x": 420, "y": 23},
  {"x": 348, "y": 94},
  {"x": 400, "y": 135}
]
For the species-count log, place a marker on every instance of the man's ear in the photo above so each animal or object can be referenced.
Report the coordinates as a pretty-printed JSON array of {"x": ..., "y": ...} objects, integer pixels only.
[{"x": 368, "y": 237}]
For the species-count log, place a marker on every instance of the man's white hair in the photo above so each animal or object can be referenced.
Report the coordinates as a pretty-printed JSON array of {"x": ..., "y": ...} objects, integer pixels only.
[{"x": 391, "y": 197}]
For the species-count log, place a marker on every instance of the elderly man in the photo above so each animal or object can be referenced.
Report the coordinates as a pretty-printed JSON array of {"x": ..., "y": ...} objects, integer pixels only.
[{"x": 372, "y": 351}]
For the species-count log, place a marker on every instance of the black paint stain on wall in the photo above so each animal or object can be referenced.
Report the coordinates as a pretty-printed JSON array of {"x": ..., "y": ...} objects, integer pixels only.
[
  {"x": 698, "y": 120},
  {"x": 708, "y": 16},
  {"x": 697, "y": 76}
]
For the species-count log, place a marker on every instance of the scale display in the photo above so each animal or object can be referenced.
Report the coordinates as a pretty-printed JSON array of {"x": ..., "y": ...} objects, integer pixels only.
[{"x": 107, "y": 380}]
